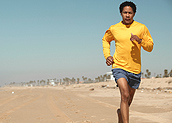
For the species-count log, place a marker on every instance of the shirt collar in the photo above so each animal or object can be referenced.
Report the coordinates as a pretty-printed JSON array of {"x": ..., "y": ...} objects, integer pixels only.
[{"x": 127, "y": 26}]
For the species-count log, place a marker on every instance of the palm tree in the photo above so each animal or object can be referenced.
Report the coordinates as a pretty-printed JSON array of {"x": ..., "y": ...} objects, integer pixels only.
[
  {"x": 83, "y": 77},
  {"x": 148, "y": 74},
  {"x": 170, "y": 73},
  {"x": 42, "y": 82},
  {"x": 78, "y": 80},
  {"x": 89, "y": 80},
  {"x": 67, "y": 80},
  {"x": 104, "y": 77},
  {"x": 165, "y": 73},
  {"x": 38, "y": 82},
  {"x": 73, "y": 80},
  {"x": 99, "y": 79}
]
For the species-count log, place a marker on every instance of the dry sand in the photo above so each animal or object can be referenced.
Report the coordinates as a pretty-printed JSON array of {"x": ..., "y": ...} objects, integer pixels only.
[{"x": 85, "y": 103}]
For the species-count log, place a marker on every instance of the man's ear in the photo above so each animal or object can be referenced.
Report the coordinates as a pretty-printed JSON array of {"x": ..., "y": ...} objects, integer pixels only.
[{"x": 134, "y": 14}]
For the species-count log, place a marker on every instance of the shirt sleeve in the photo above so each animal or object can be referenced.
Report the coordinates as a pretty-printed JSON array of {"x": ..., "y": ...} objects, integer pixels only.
[
  {"x": 147, "y": 41},
  {"x": 108, "y": 37}
]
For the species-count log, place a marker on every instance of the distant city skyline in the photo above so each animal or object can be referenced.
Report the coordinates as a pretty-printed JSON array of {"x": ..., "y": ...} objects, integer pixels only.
[{"x": 56, "y": 39}]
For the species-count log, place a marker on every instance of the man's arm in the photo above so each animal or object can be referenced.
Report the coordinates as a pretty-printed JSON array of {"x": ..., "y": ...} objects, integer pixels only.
[
  {"x": 108, "y": 37},
  {"x": 146, "y": 41}
]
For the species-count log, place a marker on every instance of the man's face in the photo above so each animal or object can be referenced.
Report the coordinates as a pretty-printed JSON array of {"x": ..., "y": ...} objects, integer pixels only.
[{"x": 127, "y": 15}]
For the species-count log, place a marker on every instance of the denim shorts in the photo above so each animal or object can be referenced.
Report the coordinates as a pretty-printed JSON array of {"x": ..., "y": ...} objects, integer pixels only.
[{"x": 132, "y": 79}]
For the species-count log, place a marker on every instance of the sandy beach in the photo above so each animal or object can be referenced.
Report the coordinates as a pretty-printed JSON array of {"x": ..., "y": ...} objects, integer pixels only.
[{"x": 85, "y": 103}]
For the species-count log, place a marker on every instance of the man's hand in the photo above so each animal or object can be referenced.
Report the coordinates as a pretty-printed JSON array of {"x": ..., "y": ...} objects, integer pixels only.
[
  {"x": 136, "y": 38},
  {"x": 109, "y": 60}
]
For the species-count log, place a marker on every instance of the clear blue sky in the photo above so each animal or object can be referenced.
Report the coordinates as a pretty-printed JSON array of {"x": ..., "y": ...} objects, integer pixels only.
[{"x": 44, "y": 39}]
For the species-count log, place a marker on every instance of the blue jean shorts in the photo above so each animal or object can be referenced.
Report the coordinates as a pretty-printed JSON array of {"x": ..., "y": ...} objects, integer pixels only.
[{"x": 132, "y": 79}]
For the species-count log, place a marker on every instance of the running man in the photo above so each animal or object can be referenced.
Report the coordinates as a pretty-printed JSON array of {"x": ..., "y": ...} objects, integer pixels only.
[{"x": 129, "y": 37}]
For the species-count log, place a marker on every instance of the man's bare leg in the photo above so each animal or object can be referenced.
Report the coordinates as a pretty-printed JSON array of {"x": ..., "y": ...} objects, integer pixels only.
[
  {"x": 131, "y": 92},
  {"x": 127, "y": 94}
]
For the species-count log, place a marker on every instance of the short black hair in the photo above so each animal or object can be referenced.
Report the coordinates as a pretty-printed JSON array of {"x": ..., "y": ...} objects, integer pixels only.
[{"x": 126, "y": 3}]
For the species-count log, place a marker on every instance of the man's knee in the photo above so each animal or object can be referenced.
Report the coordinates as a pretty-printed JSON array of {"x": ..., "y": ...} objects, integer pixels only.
[{"x": 125, "y": 97}]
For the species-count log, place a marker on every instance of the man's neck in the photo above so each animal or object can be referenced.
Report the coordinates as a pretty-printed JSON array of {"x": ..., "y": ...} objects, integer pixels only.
[{"x": 127, "y": 23}]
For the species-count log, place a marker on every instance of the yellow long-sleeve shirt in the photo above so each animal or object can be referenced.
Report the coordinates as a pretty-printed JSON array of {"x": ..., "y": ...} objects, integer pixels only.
[{"x": 127, "y": 54}]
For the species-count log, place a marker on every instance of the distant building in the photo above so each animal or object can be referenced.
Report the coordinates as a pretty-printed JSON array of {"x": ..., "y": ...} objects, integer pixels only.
[
  {"x": 52, "y": 82},
  {"x": 111, "y": 77}
]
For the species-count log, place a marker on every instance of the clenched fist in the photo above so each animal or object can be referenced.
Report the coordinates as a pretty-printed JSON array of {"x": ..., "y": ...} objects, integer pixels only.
[
  {"x": 109, "y": 60},
  {"x": 136, "y": 38}
]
